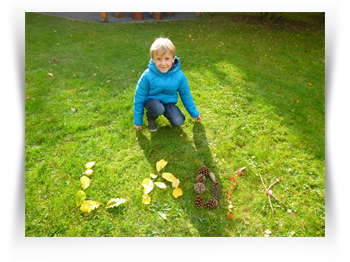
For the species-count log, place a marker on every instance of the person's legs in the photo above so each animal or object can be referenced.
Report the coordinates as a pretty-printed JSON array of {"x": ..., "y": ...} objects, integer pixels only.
[
  {"x": 174, "y": 115},
  {"x": 154, "y": 108}
]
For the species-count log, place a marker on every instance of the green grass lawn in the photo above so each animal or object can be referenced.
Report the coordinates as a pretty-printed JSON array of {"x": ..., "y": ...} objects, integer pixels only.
[{"x": 260, "y": 89}]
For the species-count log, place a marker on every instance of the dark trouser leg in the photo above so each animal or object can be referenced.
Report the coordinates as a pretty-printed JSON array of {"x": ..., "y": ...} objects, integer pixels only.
[
  {"x": 154, "y": 108},
  {"x": 174, "y": 115}
]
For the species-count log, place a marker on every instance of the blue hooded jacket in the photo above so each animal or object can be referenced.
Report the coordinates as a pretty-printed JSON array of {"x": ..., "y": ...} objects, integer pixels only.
[{"x": 162, "y": 86}]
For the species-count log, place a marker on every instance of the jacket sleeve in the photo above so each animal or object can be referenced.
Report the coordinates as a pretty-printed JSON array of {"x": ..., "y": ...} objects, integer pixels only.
[
  {"x": 140, "y": 97},
  {"x": 186, "y": 97}
]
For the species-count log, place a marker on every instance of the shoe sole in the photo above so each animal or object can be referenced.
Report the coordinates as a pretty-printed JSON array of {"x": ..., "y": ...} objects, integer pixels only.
[{"x": 152, "y": 130}]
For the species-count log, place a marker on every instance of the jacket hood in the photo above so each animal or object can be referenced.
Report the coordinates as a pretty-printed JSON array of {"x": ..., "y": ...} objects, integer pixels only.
[{"x": 175, "y": 67}]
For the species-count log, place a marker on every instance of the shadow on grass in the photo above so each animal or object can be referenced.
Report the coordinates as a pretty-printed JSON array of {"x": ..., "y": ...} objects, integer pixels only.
[{"x": 185, "y": 156}]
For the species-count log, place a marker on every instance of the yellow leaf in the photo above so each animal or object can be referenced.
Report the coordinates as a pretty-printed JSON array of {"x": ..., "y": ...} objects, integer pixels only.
[
  {"x": 148, "y": 185},
  {"x": 88, "y": 206},
  {"x": 89, "y": 165},
  {"x": 161, "y": 164},
  {"x": 115, "y": 202},
  {"x": 153, "y": 175},
  {"x": 160, "y": 184},
  {"x": 146, "y": 199},
  {"x": 176, "y": 183},
  {"x": 168, "y": 176},
  {"x": 88, "y": 172},
  {"x": 145, "y": 182},
  {"x": 80, "y": 197},
  {"x": 85, "y": 182},
  {"x": 177, "y": 192}
]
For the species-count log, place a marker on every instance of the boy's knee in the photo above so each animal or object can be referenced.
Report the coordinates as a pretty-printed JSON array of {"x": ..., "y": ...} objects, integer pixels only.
[
  {"x": 155, "y": 107},
  {"x": 178, "y": 121}
]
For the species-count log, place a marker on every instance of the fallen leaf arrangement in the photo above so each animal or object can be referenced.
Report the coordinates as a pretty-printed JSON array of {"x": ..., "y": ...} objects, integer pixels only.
[
  {"x": 87, "y": 206},
  {"x": 229, "y": 198},
  {"x": 199, "y": 188},
  {"x": 148, "y": 183}
]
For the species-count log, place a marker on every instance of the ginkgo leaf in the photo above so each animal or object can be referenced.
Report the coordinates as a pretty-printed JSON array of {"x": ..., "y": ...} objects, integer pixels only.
[
  {"x": 88, "y": 206},
  {"x": 89, "y": 165},
  {"x": 153, "y": 175},
  {"x": 160, "y": 184},
  {"x": 148, "y": 185},
  {"x": 85, "y": 182},
  {"x": 168, "y": 176},
  {"x": 146, "y": 199},
  {"x": 88, "y": 172},
  {"x": 177, "y": 192},
  {"x": 161, "y": 164},
  {"x": 80, "y": 197},
  {"x": 114, "y": 202},
  {"x": 176, "y": 183}
]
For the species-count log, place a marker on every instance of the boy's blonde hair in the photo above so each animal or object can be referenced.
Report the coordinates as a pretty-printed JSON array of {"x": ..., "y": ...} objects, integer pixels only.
[{"x": 161, "y": 46}]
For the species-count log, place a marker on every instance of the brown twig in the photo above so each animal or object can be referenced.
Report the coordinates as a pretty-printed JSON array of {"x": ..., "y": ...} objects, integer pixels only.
[{"x": 270, "y": 193}]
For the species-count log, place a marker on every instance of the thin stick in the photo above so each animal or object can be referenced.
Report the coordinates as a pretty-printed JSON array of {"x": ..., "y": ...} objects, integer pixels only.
[
  {"x": 271, "y": 204},
  {"x": 273, "y": 183},
  {"x": 267, "y": 195},
  {"x": 262, "y": 181},
  {"x": 279, "y": 201}
]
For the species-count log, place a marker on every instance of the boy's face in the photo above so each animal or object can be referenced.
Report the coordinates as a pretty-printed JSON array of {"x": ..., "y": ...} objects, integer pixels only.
[{"x": 163, "y": 63}]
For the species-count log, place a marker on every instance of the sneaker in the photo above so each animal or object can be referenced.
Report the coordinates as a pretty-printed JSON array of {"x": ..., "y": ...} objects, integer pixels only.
[{"x": 152, "y": 126}]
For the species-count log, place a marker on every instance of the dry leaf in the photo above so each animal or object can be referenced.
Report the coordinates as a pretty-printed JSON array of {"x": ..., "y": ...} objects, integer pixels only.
[
  {"x": 161, "y": 164},
  {"x": 80, "y": 197},
  {"x": 115, "y": 202},
  {"x": 177, "y": 192},
  {"x": 160, "y": 184},
  {"x": 230, "y": 216},
  {"x": 50, "y": 74},
  {"x": 176, "y": 183},
  {"x": 85, "y": 182},
  {"x": 146, "y": 199},
  {"x": 168, "y": 176},
  {"x": 88, "y": 206},
  {"x": 88, "y": 172},
  {"x": 148, "y": 185},
  {"x": 89, "y": 165},
  {"x": 153, "y": 175}
]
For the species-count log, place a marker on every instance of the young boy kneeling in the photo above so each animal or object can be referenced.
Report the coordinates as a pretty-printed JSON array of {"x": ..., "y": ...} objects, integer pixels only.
[{"x": 158, "y": 86}]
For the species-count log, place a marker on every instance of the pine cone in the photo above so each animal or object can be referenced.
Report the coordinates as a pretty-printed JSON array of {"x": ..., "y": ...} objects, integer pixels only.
[
  {"x": 199, "y": 188},
  {"x": 211, "y": 203},
  {"x": 215, "y": 186},
  {"x": 199, "y": 201},
  {"x": 212, "y": 176},
  {"x": 203, "y": 171},
  {"x": 216, "y": 195},
  {"x": 201, "y": 178}
]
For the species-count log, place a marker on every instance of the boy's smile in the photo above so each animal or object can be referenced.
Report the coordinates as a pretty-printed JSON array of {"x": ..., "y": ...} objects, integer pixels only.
[{"x": 163, "y": 63}]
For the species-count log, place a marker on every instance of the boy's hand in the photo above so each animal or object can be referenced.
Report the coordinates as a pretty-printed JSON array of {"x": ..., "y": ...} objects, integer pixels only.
[
  {"x": 138, "y": 128},
  {"x": 198, "y": 118}
]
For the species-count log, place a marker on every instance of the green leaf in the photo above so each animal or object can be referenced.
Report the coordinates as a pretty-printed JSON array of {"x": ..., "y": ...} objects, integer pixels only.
[
  {"x": 114, "y": 202},
  {"x": 80, "y": 197}
]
